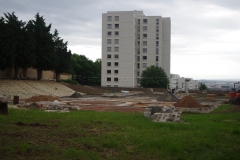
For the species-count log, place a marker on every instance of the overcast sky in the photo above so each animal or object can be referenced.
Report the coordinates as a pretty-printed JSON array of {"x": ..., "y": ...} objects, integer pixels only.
[{"x": 205, "y": 34}]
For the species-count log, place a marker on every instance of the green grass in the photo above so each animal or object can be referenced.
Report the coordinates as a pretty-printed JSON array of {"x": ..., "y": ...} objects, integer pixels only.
[{"x": 35, "y": 134}]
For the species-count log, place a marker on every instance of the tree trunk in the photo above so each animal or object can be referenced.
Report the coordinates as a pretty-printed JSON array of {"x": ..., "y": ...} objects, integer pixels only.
[
  {"x": 57, "y": 76},
  {"x": 16, "y": 71},
  {"x": 39, "y": 74}
]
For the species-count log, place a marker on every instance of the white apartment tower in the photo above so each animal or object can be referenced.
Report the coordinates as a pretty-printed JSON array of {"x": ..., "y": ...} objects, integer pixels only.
[{"x": 131, "y": 42}]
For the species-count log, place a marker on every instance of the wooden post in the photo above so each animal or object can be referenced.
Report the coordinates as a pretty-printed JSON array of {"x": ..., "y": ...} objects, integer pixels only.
[{"x": 4, "y": 108}]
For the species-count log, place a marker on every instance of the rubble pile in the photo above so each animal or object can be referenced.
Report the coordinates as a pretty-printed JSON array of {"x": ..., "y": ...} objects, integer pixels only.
[
  {"x": 47, "y": 102},
  {"x": 167, "y": 97},
  {"x": 42, "y": 98},
  {"x": 46, "y": 105},
  {"x": 163, "y": 114}
]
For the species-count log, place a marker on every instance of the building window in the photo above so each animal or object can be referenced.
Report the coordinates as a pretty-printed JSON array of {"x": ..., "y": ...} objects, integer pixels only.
[
  {"x": 138, "y": 29},
  {"x": 116, "y": 63},
  {"x": 116, "y": 71},
  {"x": 116, "y": 41},
  {"x": 139, "y": 21},
  {"x": 138, "y": 36},
  {"x": 157, "y": 21},
  {"x": 145, "y": 28},
  {"x": 138, "y": 51},
  {"x": 138, "y": 73},
  {"x": 116, "y": 79},
  {"x": 157, "y": 36},
  {"x": 144, "y": 35},
  {"x": 156, "y": 50},
  {"x": 144, "y": 57},
  {"x": 109, "y": 41},
  {"x": 138, "y": 43},
  {"x": 108, "y": 71},
  {"x": 144, "y": 50},
  {"x": 144, "y": 65},
  {"x": 109, "y": 26},
  {"x": 156, "y": 64},
  {"x": 116, "y": 25},
  {"x": 138, "y": 58},
  {"x": 108, "y": 78},
  {"x": 108, "y": 63},
  {"x": 116, "y": 18},
  {"x": 115, "y": 85},
  {"x": 116, "y": 56},
  {"x": 116, "y": 49},
  {"x": 144, "y": 20},
  {"x": 116, "y": 33},
  {"x": 157, "y": 28},
  {"x": 109, "y": 56},
  {"x": 109, "y": 18},
  {"x": 157, "y": 58},
  {"x": 109, "y": 49},
  {"x": 157, "y": 43},
  {"x": 109, "y": 33},
  {"x": 138, "y": 65},
  {"x": 144, "y": 43}
]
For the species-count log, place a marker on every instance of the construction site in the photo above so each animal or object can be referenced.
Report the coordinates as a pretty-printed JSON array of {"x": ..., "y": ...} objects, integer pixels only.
[
  {"x": 52, "y": 96},
  {"x": 52, "y": 120}
]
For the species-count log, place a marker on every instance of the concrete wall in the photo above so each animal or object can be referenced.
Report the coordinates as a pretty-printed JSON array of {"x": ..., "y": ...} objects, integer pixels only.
[
  {"x": 65, "y": 76},
  {"x": 28, "y": 73}
]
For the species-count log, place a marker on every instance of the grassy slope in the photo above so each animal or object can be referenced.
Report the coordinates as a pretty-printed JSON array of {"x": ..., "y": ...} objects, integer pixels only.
[{"x": 112, "y": 135}]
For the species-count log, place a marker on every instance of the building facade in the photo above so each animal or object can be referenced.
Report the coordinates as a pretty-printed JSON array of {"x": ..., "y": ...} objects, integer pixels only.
[
  {"x": 178, "y": 82},
  {"x": 132, "y": 42}
]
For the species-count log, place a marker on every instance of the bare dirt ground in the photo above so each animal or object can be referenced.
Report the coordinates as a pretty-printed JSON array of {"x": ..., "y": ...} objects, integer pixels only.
[
  {"x": 128, "y": 104},
  {"x": 89, "y": 90}
]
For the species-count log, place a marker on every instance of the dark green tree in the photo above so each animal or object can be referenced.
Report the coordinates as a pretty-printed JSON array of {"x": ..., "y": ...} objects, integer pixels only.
[
  {"x": 64, "y": 56},
  {"x": 44, "y": 46},
  {"x": 22, "y": 39},
  {"x": 202, "y": 87},
  {"x": 154, "y": 77},
  {"x": 83, "y": 69},
  {"x": 7, "y": 48},
  {"x": 97, "y": 72}
]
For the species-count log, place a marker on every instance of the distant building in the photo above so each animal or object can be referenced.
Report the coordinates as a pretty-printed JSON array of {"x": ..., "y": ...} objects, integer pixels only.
[
  {"x": 131, "y": 42},
  {"x": 185, "y": 83}
]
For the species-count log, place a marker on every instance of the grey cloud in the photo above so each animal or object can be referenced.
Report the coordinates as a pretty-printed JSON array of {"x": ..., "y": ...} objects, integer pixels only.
[{"x": 79, "y": 21}]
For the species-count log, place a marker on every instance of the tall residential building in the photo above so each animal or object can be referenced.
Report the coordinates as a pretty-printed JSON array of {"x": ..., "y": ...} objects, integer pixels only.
[{"x": 131, "y": 42}]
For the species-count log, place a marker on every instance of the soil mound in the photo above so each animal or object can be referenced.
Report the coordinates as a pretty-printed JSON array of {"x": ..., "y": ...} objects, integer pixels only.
[
  {"x": 188, "y": 102},
  {"x": 149, "y": 92},
  {"x": 42, "y": 98},
  {"x": 167, "y": 97},
  {"x": 76, "y": 95}
]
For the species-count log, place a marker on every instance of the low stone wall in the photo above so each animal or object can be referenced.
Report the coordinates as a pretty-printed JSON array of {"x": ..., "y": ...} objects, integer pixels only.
[{"x": 163, "y": 114}]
